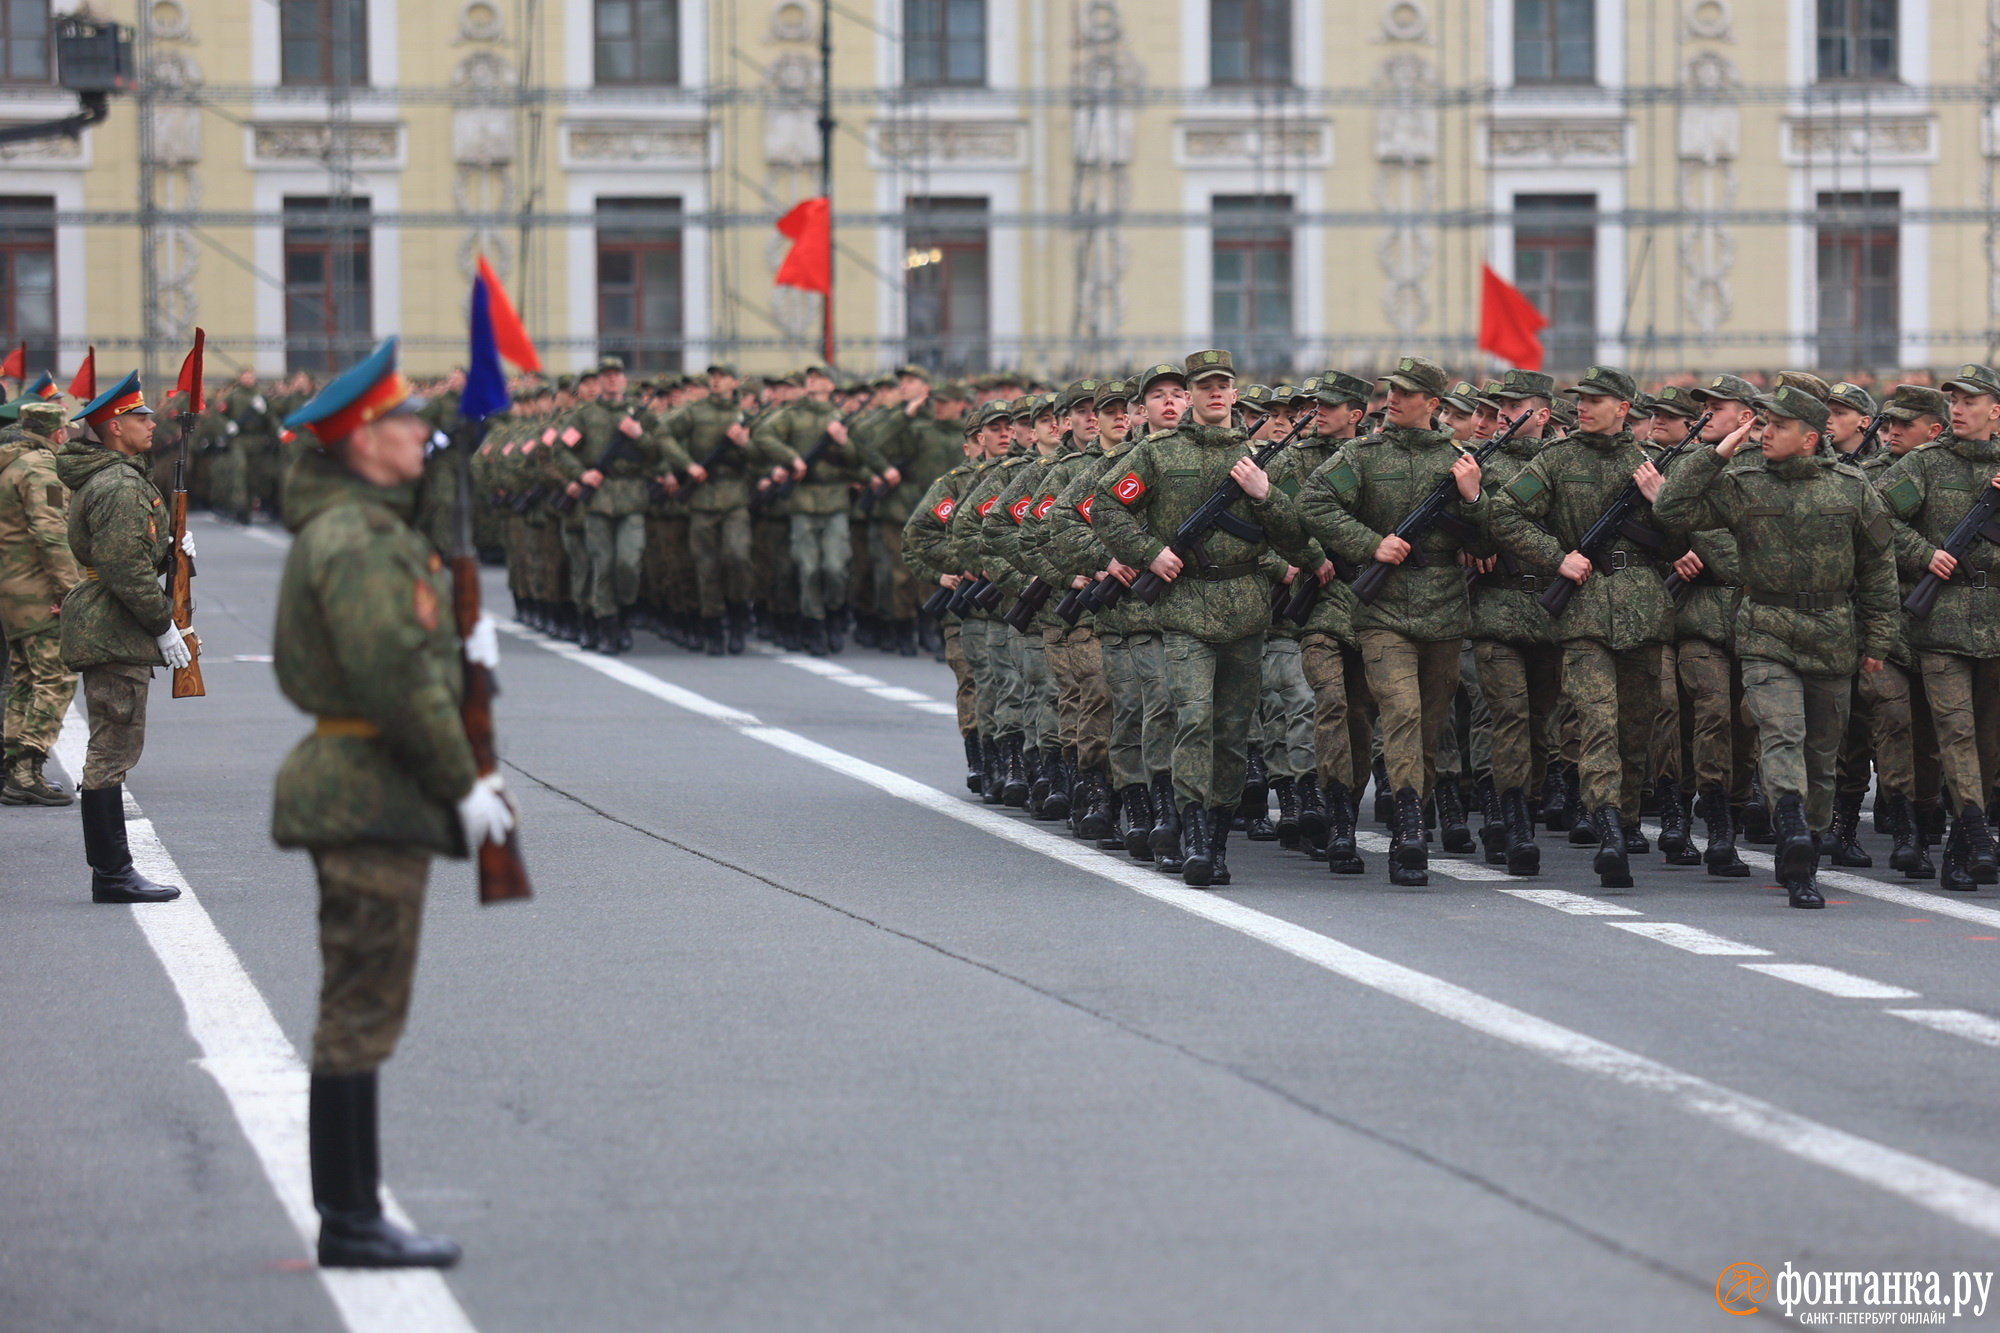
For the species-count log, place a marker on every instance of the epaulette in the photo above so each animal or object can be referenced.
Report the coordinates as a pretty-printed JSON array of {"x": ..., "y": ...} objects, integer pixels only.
[
  {"x": 1841, "y": 465},
  {"x": 1014, "y": 460},
  {"x": 1158, "y": 435}
]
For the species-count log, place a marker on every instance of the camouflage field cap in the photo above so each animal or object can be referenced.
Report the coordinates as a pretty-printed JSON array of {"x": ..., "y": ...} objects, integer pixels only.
[
  {"x": 1907, "y": 402},
  {"x": 995, "y": 411},
  {"x": 44, "y": 416},
  {"x": 1152, "y": 375},
  {"x": 1489, "y": 393},
  {"x": 1337, "y": 388},
  {"x": 1805, "y": 379},
  {"x": 1109, "y": 392},
  {"x": 1022, "y": 408},
  {"x": 1255, "y": 398},
  {"x": 1462, "y": 396},
  {"x": 1079, "y": 393},
  {"x": 1608, "y": 380},
  {"x": 1044, "y": 405},
  {"x": 723, "y": 368},
  {"x": 1284, "y": 395},
  {"x": 607, "y": 364},
  {"x": 1563, "y": 412},
  {"x": 914, "y": 371},
  {"x": 1844, "y": 394},
  {"x": 1415, "y": 374},
  {"x": 824, "y": 372},
  {"x": 1527, "y": 384},
  {"x": 1972, "y": 378},
  {"x": 1727, "y": 389},
  {"x": 1201, "y": 365},
  {"x": 565, "y": 383},
  {"x": 1796, "y": 402},
  {"x": 952, "y": 391},
  {"x": 1642, "y": 404},
  {"x": 1676, "y": 401}
]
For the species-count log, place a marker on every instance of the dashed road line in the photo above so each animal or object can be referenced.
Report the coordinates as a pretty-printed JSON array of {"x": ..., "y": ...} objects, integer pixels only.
[
  {"x": 1832, "y": 981},
  {"x": 1576, "y": 904},
  {"x": 1958, "y": 1022},
  {"x": 1690, "y": 938}
]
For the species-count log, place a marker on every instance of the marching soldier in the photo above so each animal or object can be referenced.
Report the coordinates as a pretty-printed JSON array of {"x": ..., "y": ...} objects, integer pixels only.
[
  {"x": 366, "y": 643},
  {"x": 117, "y": 623},
  {"x": 719, "y": 508},
  {"x": 36, "y": 573}
]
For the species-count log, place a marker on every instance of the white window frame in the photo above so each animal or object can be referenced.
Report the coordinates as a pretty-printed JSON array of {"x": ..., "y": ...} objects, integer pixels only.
[
  {"x": 1913, "y": 248},
  {"x": 267, "y": 66},
  {"x": 1610, "y": 239},
  {"x": 580, "y": 48},
  {"x": 1310, "y": 328},
  {"x": 1913, "y": 50},
  {"x": 580, "y": 256},
  {"x": 1003, "y": 45},
  {"x": 1609, "y": 56},
  {"x": 1006, "y": 257},
  {"x": 384, "y": 193},
  {"x": 1308, "y": 46}
]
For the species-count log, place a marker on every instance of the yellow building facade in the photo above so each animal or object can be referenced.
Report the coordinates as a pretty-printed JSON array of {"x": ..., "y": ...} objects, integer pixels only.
[{"x": 1051, "y": 185}]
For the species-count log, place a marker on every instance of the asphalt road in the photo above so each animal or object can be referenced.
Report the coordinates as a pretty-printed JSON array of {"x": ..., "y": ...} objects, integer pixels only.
[{"x": 795, "y": 1035}]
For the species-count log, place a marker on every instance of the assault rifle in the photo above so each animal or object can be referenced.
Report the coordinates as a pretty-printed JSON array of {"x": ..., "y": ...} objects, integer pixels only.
[
  {"x": 187, "y": 680},
  {"x": 779, "y": 490},
  {"x": 1302, "y": 594},
  {"x": 1616, "y": 521},
  {"x": 620, "y": 447},
  {"x": 1431, "y": 512},
  {"x": 1981, "y": 523}
]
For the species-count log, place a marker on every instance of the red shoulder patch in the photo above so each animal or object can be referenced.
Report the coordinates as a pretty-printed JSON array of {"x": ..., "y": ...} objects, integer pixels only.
[
  {"x": 943, "y": 509},
  {"x": 986, "y": 506},
  {"x": 1129, "y": 488},
  {"x": 1042, "y": 509},
  {"x": 1019, "y": 509},
  {"x": 1083, "y": 507}
]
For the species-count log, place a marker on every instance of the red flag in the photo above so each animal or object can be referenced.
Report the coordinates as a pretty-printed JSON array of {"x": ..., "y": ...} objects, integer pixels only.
[
  {"x": 509, "y": 336},
  {"x": 189, "y": 382},
  {"x": 809, "y": 227},
  {"x": 15, "y": 367},
  {"x": 84, "y": 387},
  {"x": 1508, "y": 323}
]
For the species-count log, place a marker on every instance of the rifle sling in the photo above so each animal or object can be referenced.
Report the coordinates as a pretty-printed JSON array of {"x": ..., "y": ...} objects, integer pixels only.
[{"x": 1241, "y": 528}]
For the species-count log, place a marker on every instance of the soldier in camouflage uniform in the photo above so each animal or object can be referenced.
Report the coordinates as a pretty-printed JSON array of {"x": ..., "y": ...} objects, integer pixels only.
[
  {"x": 366, "y": 643},
  {"x": 1005, "y": 679},
  {"x": 1958, "y": 645},
  {"x": 1214, "y": 611},
  {"x": 1819, "y": 599},
  {"x": 1849, "y": 408},
  {"x": 926, "y": 547},
  {"x": 1410, "y": 636},
  {"x": 117, "y": 624},
  {"x": 712, "y": 431},
  {"x": 1618, "y": 617},
  {"x": 250, "y": 431},
  {"x": 36, "y": 573},
  {"x": 820, "y": 545},
  {"x": 1283, "y": 740}
]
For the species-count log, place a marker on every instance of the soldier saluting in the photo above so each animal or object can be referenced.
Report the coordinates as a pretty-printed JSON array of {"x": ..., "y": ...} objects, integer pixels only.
[{"x": 365, "y": 642}]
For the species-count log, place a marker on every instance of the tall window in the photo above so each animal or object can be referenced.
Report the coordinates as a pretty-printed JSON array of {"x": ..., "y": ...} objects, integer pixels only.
[
  {"x": 944, "y": 42},
  {"x": 639, "y": 283},
  {"x": 24, "y": 41},
  {"x": 1858, "y": 291},
  {"x": 329, "y": 288},
  {"x": 1555, "y": 266},
  {"x": 639, "y": 41},
  {"x": 1555, "y": 41},
  {"x": 944, "y": 285},
  {"x": 1250, "y": 41},
  {"x": 1251, "y": 271},
  {"x": 28, "y": 282},
  {"x": 1857, "y": 39},
  {"x": 322, "y": 41}
]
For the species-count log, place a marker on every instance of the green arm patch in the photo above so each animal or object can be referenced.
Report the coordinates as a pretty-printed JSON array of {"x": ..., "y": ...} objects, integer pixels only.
[
  {"x": 1343, "y": 478},
  {"x": 1290, "y": 486},
  {"x": 1526, "y": 488},
  {"x": 1905, "y": 497},
  {"x": 1878, "y": 531}
]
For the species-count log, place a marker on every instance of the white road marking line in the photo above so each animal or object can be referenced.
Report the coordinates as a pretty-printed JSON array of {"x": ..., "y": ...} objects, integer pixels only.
[
  {"x": 899, "y": 694},
  {"x": 1440, "y": 862},
  {"x": 1958, "y": 1022},
  {"x": 1832, "y": 981},
  {"x": 1965, "y": 1199},
  {"x": 819, "y": 666},
  {"x": 942, "y": 710},
  {"x": 260, "y": 1073},
  {"x": 840, "y": 674},
  {"x": 1573, "y": 903},
  {"x": 1690, "y": 938},
  {"x": 858, "y": 680}
]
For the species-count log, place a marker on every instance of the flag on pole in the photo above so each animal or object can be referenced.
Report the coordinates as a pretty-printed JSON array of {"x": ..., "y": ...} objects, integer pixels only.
[
  {"x": 189, "y": 382},
  {"x": 809, "y": 227},
  {"x": 508, "y": 334},
  {"x": 495, "y": 329},
  {"x": 44, "y": 387},
  {"x": 84, "y": 387},
  {"x": 1509, "y": 323},
  {"x": 15, "y": 367}
]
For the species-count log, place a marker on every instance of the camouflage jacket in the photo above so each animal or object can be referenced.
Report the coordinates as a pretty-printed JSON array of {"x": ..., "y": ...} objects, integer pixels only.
[
  {"x": 1505, "y": 608},
  {"x": 36, "y": 568},
  {"x": 1140, "y": 502},
  {"x": 1018, "y": 539},
  {"x": 790, "y": 434},
  {"x": 1808, "y": 530},
  {"x": 1359, "y": 496},
  {"x": 991, "y": 523},
  {"x": 926, "y": 546},
  {"x": 697, "y": 430},
  {"x": 1078, "y": 542},
  {"x": 1333, "y": 610},
  {"x": 365, "y": 633},
  {"x": 1042, "y": 541},
  {"x": 1707, "y": 607},
  {"x": 1543, "y": 513},
  {"x": 626, "y": 461},
  {"x": 1928, "y": 491},
  {"x": 929, "y": 448},
  {"x": 119, "y": 530},
  {"x": 248, "y": 415}
]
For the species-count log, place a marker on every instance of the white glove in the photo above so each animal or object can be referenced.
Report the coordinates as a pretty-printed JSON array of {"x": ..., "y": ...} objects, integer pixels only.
[
  {"x": 187, "y": 544},
  {"x": 173, "y": 649},
  {"x": 485, "y": 814},
  {"x": 482, "y": 646}
]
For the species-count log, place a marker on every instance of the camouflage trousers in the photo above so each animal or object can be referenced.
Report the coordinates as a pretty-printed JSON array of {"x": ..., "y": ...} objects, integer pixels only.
[
  {"x": 776, "y": 581},
  {"x": 1965, "y": 708},
  {"x": 895, "y": 586},
  {"x": 1343, "y": 709},
  {"x": 822, "y": 553},
  {"x": 1285, "y": 715},
  {"x": 720, "y": 545},
  {"x": 1664, "y": 757},
  {"x": 979, "y": 670},
  {"x": 615, "y": 546},
  {"x": 1002, "y": 691},
  {"x": 371, "y": 907},
  {"x": 1800, "y": 720},
  {"x": 1889, "y": 721},
  {"x": 964, "y": 695},
  {"x": 1142, "y": 716},
  {"x": 1083, "y": 703},
  {"x": 114, "y": 698},
  {"x": 1616, "y": 696},
  {"x": 1521, "y": 684},
  {"x": 576, "y": 558},
  {"x": 1413, "y": 682},
  {"x": 1710, "y": 690},
  {"x": 39, "y": 688},
  {"x": 667, "y": 573},
  {"x": 1214, "y": 689},
  {"x": 229, "y": 479},
  {"x": 1466, "y": 748},
  {"x": 1039, "y": 717}
]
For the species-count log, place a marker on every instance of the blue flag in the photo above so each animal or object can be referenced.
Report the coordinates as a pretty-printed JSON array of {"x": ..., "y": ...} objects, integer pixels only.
[{"x": 485, "y": 383}]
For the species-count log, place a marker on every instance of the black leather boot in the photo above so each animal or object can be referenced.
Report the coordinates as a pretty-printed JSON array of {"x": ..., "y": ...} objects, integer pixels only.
[
  {"x": 1136, "y": 801},
  {"x": 1015, "y": 793},
  {"x": 343, "y": 1141},
  {"x": 1493, "y": 820},
  {"x": 975, "y": 762},
  {"x": 993, "y": 786},
  {"x": 1909, "y": 854},
  {"x": 1756, "y": 817},
  {"x": 113, "y": 878},
  {"x": 1803, "y": 890},
  {"x": 1095, "y": 822},
  {"x": 1556, "y": 813},
  {"x": 1166, "y": 826},
  {"x": 1056, "y": 799},
  {"x": 1847, "y": 851},
  {"x": 736, "y": 620},
  {"x": 1196, "y": 865},
  {"x": 1612, "y": 868},
  {"x": 1105, "y": 797},
  {"x": 1287, "y": 827},
  {"x": 587, "y": 637},
  {"x": 1409, "y": 858},
  {"x": 1039, "y": 768},
  {"x": 1583, "y": 830},
  {"x": 1720, "y": 858},
  {"x": 1218, "y": 848},
  {"x": 1256, "y": 816},
  {"x": 1982, "y": 858},
  {"x": 1934, "y": 822},
  {"x": 714, "y": 638},
  {"x": 1313, "y": 814},
  {"x": 1343, "y": 856},
  {"x": 1678, "y": 810},
  {"x": 1520, "y": 854},
  {"x": 1256, "y": 779},
  {"x": 1953, "y": 873},
  {"x": 1673, "y": 819},
  {"x": 1796, "y": 850},
  {"x": 1385, "y": 800},
  {"x": 1453, "y": 830},
  {"x": 1635, "y": 840}
]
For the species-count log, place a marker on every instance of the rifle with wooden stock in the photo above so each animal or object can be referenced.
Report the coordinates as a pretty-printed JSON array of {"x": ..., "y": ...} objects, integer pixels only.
[{"x": 188, "y": 683}]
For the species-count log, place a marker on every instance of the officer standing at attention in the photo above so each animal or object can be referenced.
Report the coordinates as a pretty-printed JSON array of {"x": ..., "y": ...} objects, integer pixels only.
[
  {"x": 366, "y": 643},
  {"x": 1819, "y": 592},
  {"x": 117, "y": 624}
]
